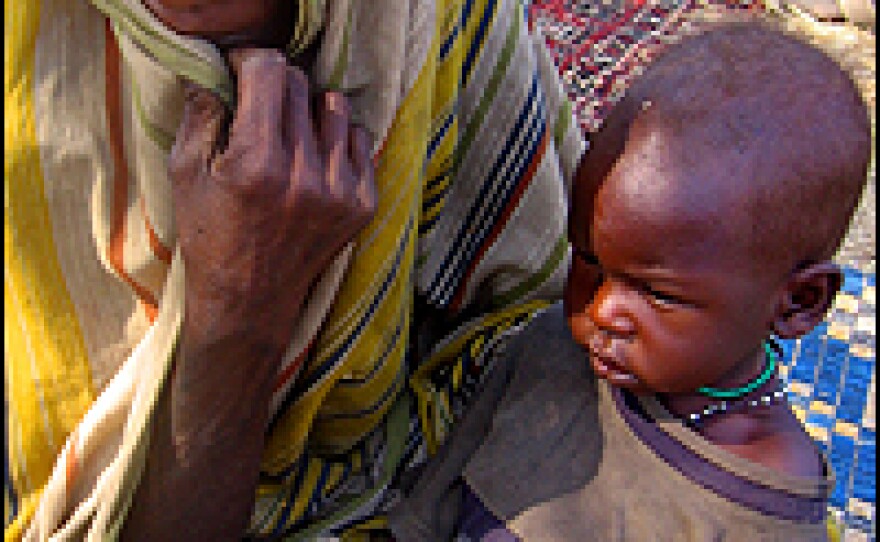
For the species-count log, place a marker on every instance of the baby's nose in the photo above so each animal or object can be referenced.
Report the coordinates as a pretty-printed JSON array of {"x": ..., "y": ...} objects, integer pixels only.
[{"x": 609, "y": 312}]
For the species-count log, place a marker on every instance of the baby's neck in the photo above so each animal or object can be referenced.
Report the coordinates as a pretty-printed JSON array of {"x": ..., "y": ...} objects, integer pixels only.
[
  {"x": 683, "y": 405},
  {"x": 734, "y": 421},
  {"x": 769, "y": 434}
]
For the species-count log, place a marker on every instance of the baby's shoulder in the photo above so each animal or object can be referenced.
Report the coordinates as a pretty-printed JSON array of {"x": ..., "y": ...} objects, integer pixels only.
[
  {"x": 792, "y": 451},
  {"x": 785, "y": 447}
]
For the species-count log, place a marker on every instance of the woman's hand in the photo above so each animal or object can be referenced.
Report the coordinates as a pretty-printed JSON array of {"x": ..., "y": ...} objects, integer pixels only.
[
  {"x": 261, "y": 216},
  {"x": 258, "y": 219}
]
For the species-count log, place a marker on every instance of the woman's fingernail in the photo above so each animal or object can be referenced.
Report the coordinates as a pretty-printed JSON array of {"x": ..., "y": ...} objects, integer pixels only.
[{"x": 335, "y": 102}]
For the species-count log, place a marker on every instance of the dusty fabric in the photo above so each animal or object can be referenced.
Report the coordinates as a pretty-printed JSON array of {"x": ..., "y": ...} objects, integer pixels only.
[
  {"x": 475, "y": 148},
  {"x": 557, "y": 455}
]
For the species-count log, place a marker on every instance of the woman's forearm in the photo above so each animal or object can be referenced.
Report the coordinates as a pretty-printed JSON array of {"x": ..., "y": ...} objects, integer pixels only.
[
  {"x": 207, "y": 441},
  {"x": 258, "y": 219}
]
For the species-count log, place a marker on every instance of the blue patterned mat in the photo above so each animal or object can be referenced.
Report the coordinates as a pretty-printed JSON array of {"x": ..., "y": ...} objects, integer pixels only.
[{"x": 831, "y": 383}]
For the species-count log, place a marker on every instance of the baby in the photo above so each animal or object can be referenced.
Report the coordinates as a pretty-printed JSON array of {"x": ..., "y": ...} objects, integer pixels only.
[{"x": 647, "y": 405}]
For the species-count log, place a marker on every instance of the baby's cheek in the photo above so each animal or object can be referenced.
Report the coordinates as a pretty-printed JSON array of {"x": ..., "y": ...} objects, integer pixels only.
[
  {"x": 580, "y": 328},
  {"x": 678, "y": 366}
]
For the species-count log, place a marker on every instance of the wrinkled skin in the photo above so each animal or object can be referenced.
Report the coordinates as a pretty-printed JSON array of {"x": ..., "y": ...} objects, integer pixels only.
[
  {"x": 258, "y": 219},
  {"x": 276, "y": 204}
]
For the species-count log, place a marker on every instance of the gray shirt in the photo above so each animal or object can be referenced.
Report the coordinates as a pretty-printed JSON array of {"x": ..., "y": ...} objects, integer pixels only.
[{"x": 556, "y": 454}]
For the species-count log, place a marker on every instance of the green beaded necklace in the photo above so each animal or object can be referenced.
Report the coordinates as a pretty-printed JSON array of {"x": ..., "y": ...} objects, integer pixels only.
[{"x": 733, "y": 393}]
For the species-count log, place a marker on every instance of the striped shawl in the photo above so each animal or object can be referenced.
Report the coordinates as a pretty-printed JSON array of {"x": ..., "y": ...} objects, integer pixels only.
[{"x": 476, "y": 145}]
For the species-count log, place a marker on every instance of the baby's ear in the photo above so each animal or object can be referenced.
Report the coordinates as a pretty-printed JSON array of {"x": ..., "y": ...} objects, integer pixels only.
[{"x": 806, "y": 299}]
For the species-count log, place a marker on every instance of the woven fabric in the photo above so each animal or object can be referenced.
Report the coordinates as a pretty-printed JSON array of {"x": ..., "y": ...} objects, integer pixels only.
[
  {"x": 475, "y": 150},
  {"x": 599, "y": 47}
]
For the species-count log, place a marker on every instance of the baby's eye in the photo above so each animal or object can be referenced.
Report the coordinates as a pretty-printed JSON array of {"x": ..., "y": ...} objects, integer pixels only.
[{"x": 662, "y": 298}]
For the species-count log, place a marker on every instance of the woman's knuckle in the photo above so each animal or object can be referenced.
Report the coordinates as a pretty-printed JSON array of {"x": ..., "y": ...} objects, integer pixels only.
[
  {"x": 178, "y": 159},
  {"x": 257, "y": 62},
  {"x": 261, "y": 171},
  {"x": 308, "y": 197},
  {"x": 338, "y": 202},
  {"x": 350, "y": 208}
]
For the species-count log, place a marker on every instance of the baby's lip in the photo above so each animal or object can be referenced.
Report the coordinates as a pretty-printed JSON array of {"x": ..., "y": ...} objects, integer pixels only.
[{"x": 607, "y": 367}]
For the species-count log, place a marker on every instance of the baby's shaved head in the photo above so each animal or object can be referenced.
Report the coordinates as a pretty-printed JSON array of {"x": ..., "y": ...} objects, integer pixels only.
[{"x": 768, "y": 130}]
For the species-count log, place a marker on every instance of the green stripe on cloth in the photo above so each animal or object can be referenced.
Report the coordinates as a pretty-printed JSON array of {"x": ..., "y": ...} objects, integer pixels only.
[
  {"x": 491, "y": 90},
  {"x": 173, "y": 56},
  {"x": 563, "y": 121},
  {"x": 531, "y": 283},
  {"x": 157, "y": 135}
]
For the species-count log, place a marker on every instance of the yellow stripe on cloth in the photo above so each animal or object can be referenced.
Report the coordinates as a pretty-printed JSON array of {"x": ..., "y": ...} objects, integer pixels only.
[
  {"x": 47, "y": 379},
  {"x": 27, "y": 506},
  {"x": 446, "y": 95},
  {"x": 367, "y": 307},
  {"x": 434, "y": 404},
  {"x": 361, "y": 532}
]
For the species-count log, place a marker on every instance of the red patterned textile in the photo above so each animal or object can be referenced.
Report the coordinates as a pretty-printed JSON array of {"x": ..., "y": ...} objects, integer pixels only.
[{"x": 599, "y": 46}]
